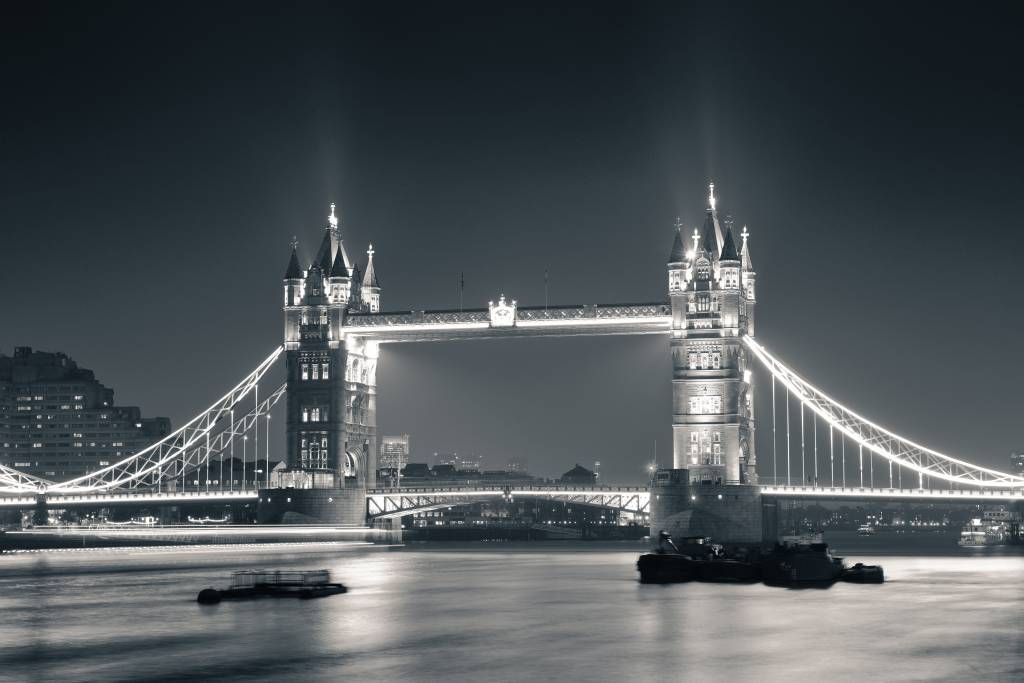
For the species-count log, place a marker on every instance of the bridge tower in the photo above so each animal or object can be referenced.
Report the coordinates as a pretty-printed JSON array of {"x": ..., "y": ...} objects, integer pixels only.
[
  {"x": 331, "y": 423},
  {"x": 711, "y": 287}
]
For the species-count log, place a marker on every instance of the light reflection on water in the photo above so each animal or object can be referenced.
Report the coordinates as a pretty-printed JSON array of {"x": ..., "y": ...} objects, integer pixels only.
[{"x": 506, "y": 612}]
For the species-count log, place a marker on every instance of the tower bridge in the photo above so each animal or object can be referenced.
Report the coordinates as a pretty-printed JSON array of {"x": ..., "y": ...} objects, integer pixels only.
[{"x": 334, "y": 326}]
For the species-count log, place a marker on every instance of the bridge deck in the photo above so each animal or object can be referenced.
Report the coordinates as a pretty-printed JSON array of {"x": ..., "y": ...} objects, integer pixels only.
[{"x": 554, "y": 321}]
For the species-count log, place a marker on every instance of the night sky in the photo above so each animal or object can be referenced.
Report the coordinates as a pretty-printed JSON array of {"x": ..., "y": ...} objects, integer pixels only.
[{"x": 156, "y": 163}]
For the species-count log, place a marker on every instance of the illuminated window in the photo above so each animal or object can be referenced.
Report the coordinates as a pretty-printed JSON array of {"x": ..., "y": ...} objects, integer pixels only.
[
  {"x": 316, "y": 371},
  {"x": 692, "y": 359},
  {"x": 693, "y": 437},
  {"x": 703, "y": 303},
  {"x": 716, "y": 360},
  {"x": 323, "y": 371},
  {"x": 705, "y": 405},
  {"x": 305, "y": 371},
  {"x": 323, "y": 317},
  {"x": 704, "y": 361}
]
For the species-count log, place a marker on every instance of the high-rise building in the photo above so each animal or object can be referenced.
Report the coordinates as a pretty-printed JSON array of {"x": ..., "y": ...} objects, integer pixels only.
[
  {"x": 1017, "y": 463},
  {"x": 394, "y": 452},
  {"x": 711, "y": 285},
  {"x": 58, "y": 422}
]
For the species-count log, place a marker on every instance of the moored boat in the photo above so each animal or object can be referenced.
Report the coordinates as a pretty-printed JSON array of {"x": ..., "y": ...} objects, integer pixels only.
[
  {"x": 670, "y": 563},
  {"x": 801, "y": 562}
]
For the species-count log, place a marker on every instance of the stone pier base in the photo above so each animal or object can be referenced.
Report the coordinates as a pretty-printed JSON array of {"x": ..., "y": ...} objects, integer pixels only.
[
  {"x": 341, "y": 506},
  {"x": 730, "y": 514}
]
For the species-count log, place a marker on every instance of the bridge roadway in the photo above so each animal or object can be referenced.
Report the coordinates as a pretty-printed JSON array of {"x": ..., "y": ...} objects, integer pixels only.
[{"x": 392, "y": 502}]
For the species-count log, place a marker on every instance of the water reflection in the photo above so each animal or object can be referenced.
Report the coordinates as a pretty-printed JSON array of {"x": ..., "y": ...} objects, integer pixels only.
[{"x": 505, "y": 613}]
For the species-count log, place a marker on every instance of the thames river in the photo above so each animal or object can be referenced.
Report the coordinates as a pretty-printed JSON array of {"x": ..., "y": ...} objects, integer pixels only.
[{"x": 507, "y": 612}]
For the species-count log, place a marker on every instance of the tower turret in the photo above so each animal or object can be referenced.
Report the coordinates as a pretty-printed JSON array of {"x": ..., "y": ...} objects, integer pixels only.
[
  {"x": 293, "y": 279},
  {"x": 371, "y": 287},
  {"x": 749, "y": 280}
]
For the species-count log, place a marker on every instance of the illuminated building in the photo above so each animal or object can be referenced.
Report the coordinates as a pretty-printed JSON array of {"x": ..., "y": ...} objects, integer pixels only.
[
  {"x": 712, "y": 288},
  {"x": 57, "y": 421},
  {"x": 1017, "y": 463},
  {"x": 332, "y": 394},
  {"x": 394, "y": 452}
]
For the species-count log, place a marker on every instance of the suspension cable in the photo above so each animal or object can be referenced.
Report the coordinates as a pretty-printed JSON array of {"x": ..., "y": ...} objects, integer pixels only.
[
  {"x": 775, "y": 457},
  {"x": 788, "y": 479}
]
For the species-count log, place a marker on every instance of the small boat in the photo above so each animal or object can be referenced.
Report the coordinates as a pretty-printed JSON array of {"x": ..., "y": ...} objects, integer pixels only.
[
  {"x": 670, "y": 563},
  {"x": 263, "y": 583},
  {"x": 801, "y": 562},
  {"x": 863, "y": 573},
  {"x": 865, "y": 530}
]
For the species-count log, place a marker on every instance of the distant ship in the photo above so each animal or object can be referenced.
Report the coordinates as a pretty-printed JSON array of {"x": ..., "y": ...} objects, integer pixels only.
[
  {"x": 978, "y": 533},
  {"x": 865, "y": 530}
]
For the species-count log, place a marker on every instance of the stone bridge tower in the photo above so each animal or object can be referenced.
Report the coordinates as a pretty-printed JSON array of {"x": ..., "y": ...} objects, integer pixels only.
[
  {"x": 711, "y": 287},
  {"x": 331, "y": 423}
]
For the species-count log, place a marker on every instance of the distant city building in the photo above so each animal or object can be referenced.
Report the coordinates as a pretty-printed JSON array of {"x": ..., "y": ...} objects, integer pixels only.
[
  {"x": 579, "y": 475},
  {"x": 394, "y": 452},
  {"x": 517, "y": 465},
  {"x": 1017, "y": 463},
  {"x": 58, "y": 422},
  {"x": 461, "y": 464}
]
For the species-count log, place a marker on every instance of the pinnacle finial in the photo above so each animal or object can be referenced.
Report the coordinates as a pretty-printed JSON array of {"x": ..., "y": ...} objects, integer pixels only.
[
  {"x": 332, "y": 219},
  {"x": 369, "y": 252},
  {"x": 295, "y": 242},
  {"x": 744, "y": 234},
  {"x": 678, "y": 224},
  {"x": 696, "y": 239},
  {"x": 711, "y": 196}
]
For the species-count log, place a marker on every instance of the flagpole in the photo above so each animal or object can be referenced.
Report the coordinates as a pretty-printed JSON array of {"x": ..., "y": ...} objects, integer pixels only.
[{"x": 545, "y": 289}]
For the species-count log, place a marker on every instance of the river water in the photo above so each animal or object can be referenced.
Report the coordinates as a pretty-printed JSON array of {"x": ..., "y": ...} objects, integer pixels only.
[{"x": 507, "y": 612}]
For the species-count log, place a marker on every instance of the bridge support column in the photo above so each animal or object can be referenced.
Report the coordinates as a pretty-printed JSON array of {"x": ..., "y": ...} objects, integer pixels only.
[
  {"x": 41, "y": 514},
  {"x": 729, "y": 514},
  {"x": 341, "y": 506}
]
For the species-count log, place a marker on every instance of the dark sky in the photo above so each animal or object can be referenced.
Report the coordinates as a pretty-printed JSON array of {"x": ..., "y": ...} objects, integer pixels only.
[{"x": 157, "y": 159}]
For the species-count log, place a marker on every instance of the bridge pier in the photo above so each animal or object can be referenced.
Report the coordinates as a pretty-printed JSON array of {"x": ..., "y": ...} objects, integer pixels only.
[
  {"x": 41, "y": 513},
  {"x": 341, "y": 506},
  {"x": 731, "y": 514}
]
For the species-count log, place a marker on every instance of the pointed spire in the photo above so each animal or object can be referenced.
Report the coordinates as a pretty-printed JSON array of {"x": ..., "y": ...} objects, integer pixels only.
[
  {"x": 332, "y": 220},
  {"x": 712, "y": 220},
  {"x": 323, "y": 254},
  {"x": 294, "y": 271},
  {"x": 709, "y": 242},
  {"x": 340, "y": 267},
  {"x": 370, "y": 277},
  {"x": 729, "y": 248},
  {"x": 745, "y": 250},
  {"x": 678, "y": 254}
]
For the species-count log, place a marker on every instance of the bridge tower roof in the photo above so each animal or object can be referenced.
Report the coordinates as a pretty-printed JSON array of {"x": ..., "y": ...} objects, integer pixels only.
[
  {"x": 294, "y": 271},
  {"x": 729, "y": 248},
  {"x": 370, "y": 276},
  {"x": 678, "y": 254}
]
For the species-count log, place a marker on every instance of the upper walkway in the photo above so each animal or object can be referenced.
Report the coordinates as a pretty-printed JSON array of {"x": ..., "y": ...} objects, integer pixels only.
[{"x": 507, "y": 320}]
